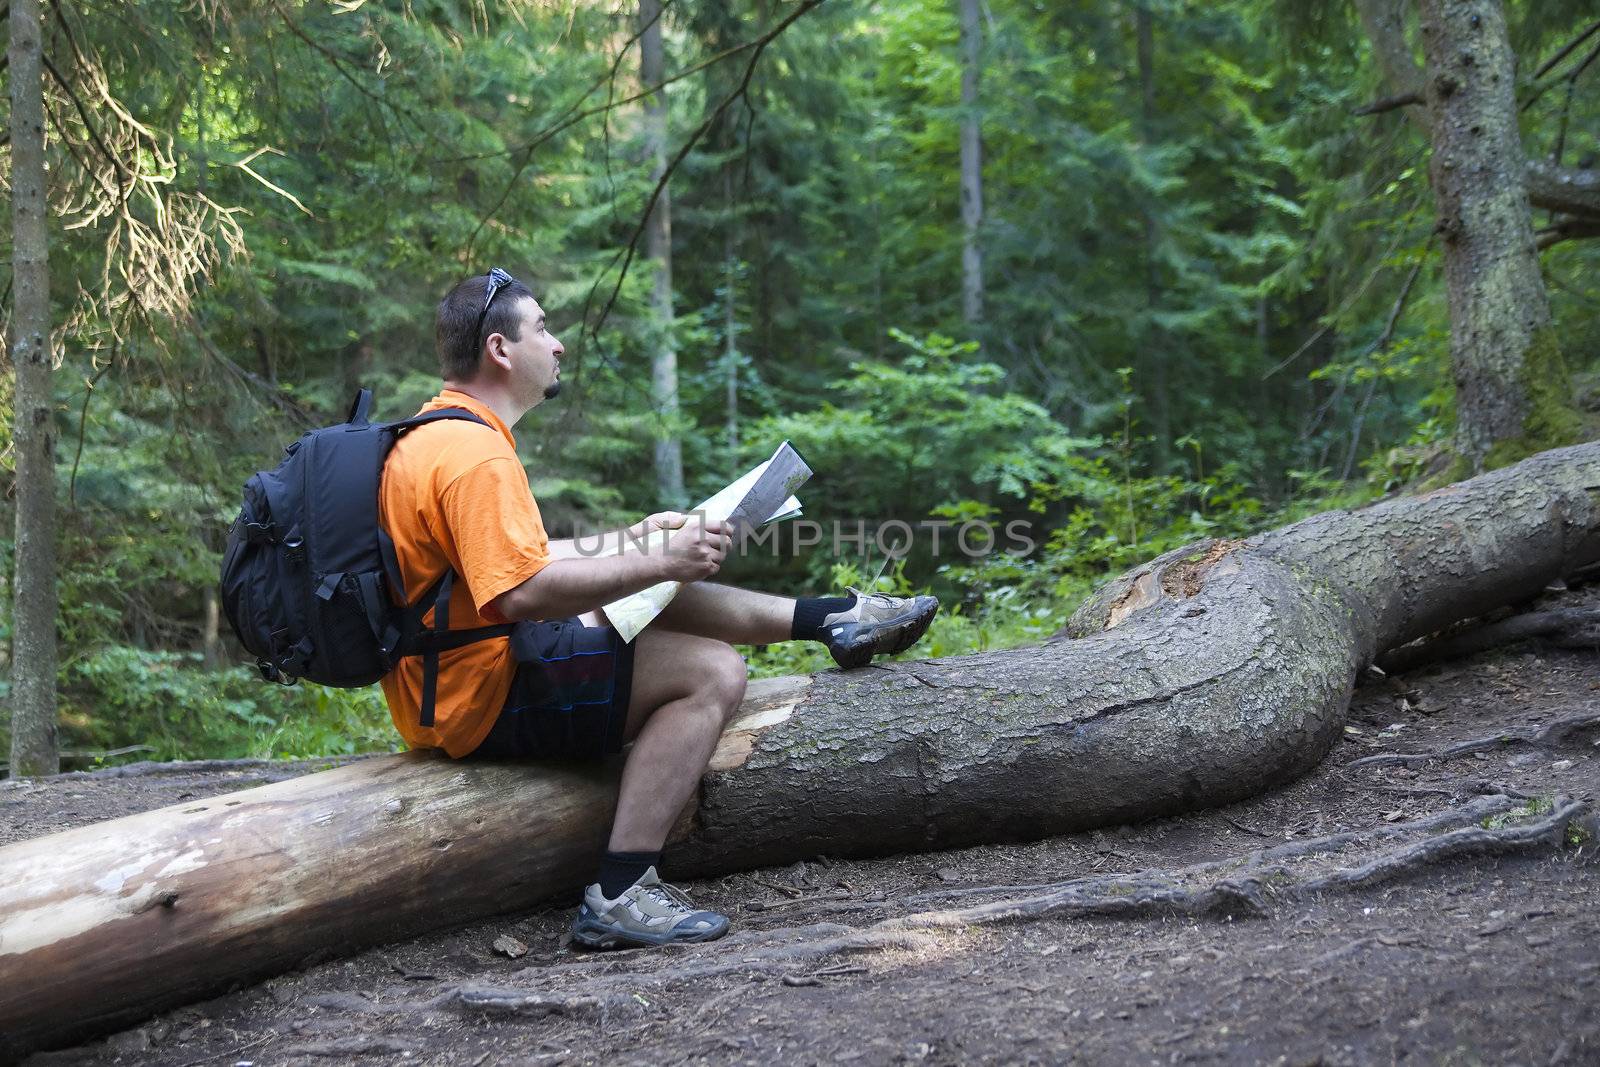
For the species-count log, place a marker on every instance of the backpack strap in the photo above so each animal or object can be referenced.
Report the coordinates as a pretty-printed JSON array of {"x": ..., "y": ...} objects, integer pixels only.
[
  {"x": 429, "y": 642},
  {"x": 361, "y": 408},
  {"x": 430, "y": 658},
  {"x": 415, "y": 639},
  {"x": 391, "y": 561},
  {"x": 436, "y": 415},
  {"x": 391, "y": 565}
]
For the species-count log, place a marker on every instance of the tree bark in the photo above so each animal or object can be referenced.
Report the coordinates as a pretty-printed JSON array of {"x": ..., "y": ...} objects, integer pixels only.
[
  {"x": 1570, "y": 190},
  {"x": 1385, "y": 24},
  {"x": 658, "y": 247},
  {"x": 1203, "y": 677},
  {"x": 34, "y": 746},
  {"x": 730, "y": 325},
  {"x": 1573, "y": 190},
  {"x": 1156, "y": 351},
  {"x": 971, "y": 165},
  {"x": 211, "y": 629},
  {"x": 1500, "y": 330}
]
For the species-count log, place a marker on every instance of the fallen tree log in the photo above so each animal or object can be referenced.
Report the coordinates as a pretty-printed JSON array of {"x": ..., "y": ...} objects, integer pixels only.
[
  {"x": 1567, "y": 628},
  {"x": 1206, "y": 676}
]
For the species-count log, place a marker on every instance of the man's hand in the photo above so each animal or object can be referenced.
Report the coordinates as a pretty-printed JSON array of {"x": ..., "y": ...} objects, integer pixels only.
[
  {"x": 661, "y": 520},
  {"x": 697, "y": 550}
]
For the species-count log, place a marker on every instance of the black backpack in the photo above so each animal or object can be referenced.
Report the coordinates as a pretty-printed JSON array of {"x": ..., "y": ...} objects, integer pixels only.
[{"x": 307, "y": 573}]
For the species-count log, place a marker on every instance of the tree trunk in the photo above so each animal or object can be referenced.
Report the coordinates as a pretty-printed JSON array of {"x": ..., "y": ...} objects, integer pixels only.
[
  {"x": 1156, "y": 348},
  {"x": 1502, "y": 346},
  {"x": 1385, "y": 25},
  {"x": 1571, "y": 190},
  {"x": 34, "y": 748},
  {"x": 971, "y": 165},
  {"x": 658, "y": 248},
  {"x": 1513, "y": 393},
  {"x": 730, "y": 326},
  {"x": 1206, "y": 676},
  {"x": 211, "y": 633}
]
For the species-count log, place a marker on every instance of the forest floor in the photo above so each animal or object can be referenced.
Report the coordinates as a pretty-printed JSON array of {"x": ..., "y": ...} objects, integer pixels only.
[{"x": 1438, "y": 952}]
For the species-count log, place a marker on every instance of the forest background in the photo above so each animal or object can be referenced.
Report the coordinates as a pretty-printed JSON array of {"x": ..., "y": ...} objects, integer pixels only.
[{"x": 1133, "y": 272}]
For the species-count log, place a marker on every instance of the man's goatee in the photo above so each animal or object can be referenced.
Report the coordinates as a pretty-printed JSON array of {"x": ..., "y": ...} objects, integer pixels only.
[{"x": 551, "y": 390}]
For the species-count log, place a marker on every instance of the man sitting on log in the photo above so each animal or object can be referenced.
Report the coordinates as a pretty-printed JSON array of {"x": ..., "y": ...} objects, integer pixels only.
[{"x": 455, "y": 500}]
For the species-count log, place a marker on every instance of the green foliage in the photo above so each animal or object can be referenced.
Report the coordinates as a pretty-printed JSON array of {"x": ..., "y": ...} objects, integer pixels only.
[
  {"x": 1192, "y": 322},
  {"x": 931, "y": 429},
  {"x": 118, "y": 696}
]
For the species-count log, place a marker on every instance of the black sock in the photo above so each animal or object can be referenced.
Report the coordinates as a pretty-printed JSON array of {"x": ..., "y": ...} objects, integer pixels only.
[
  {"x": 619, "y": 870},
  {"x": 809, "y": 611}
]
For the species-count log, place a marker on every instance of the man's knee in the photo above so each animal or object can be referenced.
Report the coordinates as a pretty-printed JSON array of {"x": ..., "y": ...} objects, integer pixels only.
[{"x": 725, "y": 676}]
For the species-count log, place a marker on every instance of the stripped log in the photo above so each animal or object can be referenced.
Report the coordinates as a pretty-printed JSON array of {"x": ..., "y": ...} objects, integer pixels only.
[{"x": 1206, "y": 676}]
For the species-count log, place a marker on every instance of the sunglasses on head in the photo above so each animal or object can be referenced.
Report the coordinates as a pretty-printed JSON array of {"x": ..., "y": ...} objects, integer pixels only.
[{"x": 498, "y": 280}]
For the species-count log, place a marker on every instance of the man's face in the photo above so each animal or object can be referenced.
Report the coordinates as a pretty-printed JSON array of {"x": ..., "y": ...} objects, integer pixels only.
[{"x": 535, "y": 356}]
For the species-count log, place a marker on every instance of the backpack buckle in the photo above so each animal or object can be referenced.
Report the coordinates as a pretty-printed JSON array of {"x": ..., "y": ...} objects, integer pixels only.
[
  {"x": 294, "y": 550},
  {"x": 271, "y": 672},
  {"x": 258, "y": 533}
]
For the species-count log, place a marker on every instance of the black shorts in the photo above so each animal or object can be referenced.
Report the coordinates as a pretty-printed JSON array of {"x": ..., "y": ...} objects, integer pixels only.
[{"x": 569, "y": 698}]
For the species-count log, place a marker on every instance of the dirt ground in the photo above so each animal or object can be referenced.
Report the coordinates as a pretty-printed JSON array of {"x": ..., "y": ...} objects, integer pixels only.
[{"x": 1439, "y": 952}]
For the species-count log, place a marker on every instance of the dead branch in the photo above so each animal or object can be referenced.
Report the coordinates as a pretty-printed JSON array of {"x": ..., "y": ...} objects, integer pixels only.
[
  {"x": 1245, "y": 885},
  {"x": 271, "y": 390},
  {"x": 1567, "y": 229},
  {"x": 1550, "y": 736},
  {"x": 731, "y": 955},
  {"x": 1570, "y": 78},
  {"x": 1380, "y": 346},
  {"x": 759, "y": 45},
  {"x": 1494, "y": 635},
  {"x": 570, "y": 119},
  {"x": 1400, "y": 233},
  {"x": 1493, "y": 800},
  {"x": 338, "y": 65},
  {"x": 1566, "y": 50},
  {"x": 1389, "y": 103},
  {"x": 83, "y": 112},
  {"x": 159, "y": 243}
]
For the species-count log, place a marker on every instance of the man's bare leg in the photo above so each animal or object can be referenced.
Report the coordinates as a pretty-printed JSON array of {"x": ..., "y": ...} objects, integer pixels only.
[
  {"x": 685, "y": 689},
  {"x": 727, "y": 613}
]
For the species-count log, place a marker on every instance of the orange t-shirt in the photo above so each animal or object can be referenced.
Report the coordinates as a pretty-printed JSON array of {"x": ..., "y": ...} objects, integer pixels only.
[{"x": 454, "y": 494}]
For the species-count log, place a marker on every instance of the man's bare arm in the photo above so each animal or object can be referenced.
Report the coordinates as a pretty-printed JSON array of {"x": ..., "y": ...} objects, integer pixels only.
[
  {"x": 574, "y": 585},
  {"x": 635, "y": 538}
]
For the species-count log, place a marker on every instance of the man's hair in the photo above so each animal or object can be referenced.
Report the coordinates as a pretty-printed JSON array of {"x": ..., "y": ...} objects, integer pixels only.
[{"x": 456, "y": 334}]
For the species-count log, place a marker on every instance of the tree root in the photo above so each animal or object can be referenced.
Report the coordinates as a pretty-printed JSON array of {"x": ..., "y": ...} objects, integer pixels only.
[
  {"x": 146, "y": 768},
  {"x": 508, "y": 1002},
  {"x": 621, "y": 991},
  {"x": 351, "y": 1046},
  {"x": 1568, "y": 627},
  {"x": 1468, "y": 841},
  {"x": 1549, "y": 736},
  {"x": 1246, "y": 885}
]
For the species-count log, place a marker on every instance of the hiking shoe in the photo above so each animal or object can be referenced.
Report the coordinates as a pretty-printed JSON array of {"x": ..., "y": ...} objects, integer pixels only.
[
  {"x": 649, "y": 912},
  {"x": 877, "y": 625}
]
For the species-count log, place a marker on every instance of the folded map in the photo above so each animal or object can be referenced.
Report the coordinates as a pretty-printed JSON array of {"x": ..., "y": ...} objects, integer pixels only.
[{"x": 764, "y": 494}]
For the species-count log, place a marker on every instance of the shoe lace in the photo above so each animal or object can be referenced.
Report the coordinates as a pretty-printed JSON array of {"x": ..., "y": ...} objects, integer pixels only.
[
  {"x": 883, "y": 598},
  {"x": 670, "y": 896}
]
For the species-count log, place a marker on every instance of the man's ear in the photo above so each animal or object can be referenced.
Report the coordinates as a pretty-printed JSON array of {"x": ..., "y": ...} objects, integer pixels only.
[{"x": 494, "y": 351}]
